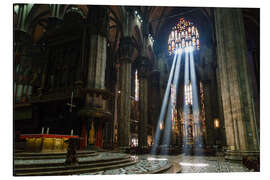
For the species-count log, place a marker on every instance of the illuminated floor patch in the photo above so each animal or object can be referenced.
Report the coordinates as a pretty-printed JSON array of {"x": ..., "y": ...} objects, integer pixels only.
[{"x": 196, "y": 164}]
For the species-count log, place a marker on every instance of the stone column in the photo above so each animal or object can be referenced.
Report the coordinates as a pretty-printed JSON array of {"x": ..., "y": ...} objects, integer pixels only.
[
  {"x": 208, "y": 113},
  {"x": 209, "y": 93},
  {"x": 126, "y": 48},
  {"x": 143, "y": 71},
  {"x": 220, "y": 108},
  {"x": 236, "y": 90},
  {"x": 98, "y": 29},
  {"x": 126, "y": 51},
  {"x": 154, "y": 97},
  {"x": 95, "y": 65},
  {"x": 163, "y": 74}
]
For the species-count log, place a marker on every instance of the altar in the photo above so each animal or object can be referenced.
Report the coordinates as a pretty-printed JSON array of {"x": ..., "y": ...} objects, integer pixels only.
[{"x": 46, "y": 142}]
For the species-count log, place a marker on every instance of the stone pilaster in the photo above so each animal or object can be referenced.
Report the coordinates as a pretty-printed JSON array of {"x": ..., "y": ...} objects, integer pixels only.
[
  {"x": 143, "y": 72},
  {"x": 235, "y": 82}
]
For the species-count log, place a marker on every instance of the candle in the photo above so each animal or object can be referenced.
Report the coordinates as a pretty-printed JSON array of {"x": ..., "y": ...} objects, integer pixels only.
[
  {"x": 48, "y": 130},
  {"x": 42, "y": 131},
  {"x": 71, "y": 132}
]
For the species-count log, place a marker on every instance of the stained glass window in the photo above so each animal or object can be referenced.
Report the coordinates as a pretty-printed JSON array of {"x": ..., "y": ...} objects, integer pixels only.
[{"x": 184, "y": 34}]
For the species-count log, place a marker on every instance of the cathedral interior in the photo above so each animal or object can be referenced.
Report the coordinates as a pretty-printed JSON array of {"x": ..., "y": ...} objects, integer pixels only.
[{"x": 144, "y": 84}]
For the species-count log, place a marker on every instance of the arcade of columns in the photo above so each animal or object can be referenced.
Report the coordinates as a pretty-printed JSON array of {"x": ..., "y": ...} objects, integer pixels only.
[
  {"x": 96, "y": 75},
  {"x": 233, "y": 81}
]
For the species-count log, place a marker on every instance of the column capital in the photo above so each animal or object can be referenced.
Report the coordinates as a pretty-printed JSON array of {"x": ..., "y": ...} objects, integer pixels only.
[
  {"x": 126, "y": 49},
  {"x": 143, "y": 65},
  {"x": 98, "y": 20},
  {"x": 205, "y": 81}
]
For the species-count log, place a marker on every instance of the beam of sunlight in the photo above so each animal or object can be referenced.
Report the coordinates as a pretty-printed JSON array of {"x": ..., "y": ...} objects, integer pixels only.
[
  {"x": 163, "y": 108},
  {"x": 194, "y": 84},
  {"x": 186, "y": 107},
  {"x": 168, "y": 123},
  {"x": 195, "y": 106}
]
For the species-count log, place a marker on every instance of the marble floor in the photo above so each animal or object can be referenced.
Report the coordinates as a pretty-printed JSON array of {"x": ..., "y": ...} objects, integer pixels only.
[
  {"x": 148, "y": 163},
  {"x": 202, "y": 164},
  {"x": 180, "y": 164},
  {"x": 144, "y": 165}
]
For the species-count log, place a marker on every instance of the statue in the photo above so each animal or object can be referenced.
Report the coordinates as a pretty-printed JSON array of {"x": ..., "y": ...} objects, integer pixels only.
[{"x": 91, "y": 139}]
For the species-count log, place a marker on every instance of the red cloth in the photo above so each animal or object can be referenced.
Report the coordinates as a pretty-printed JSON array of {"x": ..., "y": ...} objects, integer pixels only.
[
  {"x": 99, "y": 136},
  {"x": 84, "y": 137}
]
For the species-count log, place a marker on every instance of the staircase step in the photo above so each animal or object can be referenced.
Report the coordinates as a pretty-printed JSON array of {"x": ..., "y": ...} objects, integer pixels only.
[
  {"x": 161, "y": 170},
  {"x": 24, "y": 154},
  {"x": 74, "y": 170},
  {"x": 60, "y": 156},
  {"x": 166, "y": 170},
  {"x": 18, "y": 166},
  {"x": 66, "y": 167}
]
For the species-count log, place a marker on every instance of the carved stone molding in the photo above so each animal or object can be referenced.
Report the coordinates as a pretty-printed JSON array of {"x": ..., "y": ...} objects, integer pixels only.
[
  {"x": 126, "y": 49},
  {"x": 98, "y": 20},
  {"x": 143, "y": 65}
]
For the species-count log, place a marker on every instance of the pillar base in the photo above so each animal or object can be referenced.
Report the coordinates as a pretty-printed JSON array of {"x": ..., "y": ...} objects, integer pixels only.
[
  {"x": 93, "y": 147},
  {"x": 123, "y": 149},
  {"x": 238, "y": 155},
  {"x": 143, "y": 150}
]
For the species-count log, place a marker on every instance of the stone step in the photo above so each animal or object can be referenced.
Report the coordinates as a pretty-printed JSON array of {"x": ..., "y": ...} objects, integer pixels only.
[
  {"x": 19, "y": 154},
  {"x": 18, "y": 151},
  {"x": 75, "y": 170},
  {"x": 60, "y": 156},
  {"x": 66, "y": 167},
  {"x": 171, "y": 170},
  {"x": 55, "y": 164},
  {"x": 162, "y": 170}
]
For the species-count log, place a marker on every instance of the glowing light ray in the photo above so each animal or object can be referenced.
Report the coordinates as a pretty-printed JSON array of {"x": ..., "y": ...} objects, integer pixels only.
[
  {"x": 168, "y": 123},
  {"x": 194, "y": 83},
  {"x": 163, "y": 107},
  {"x": 196, "y": 110},
  {"x": 186, "y": 109}
]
